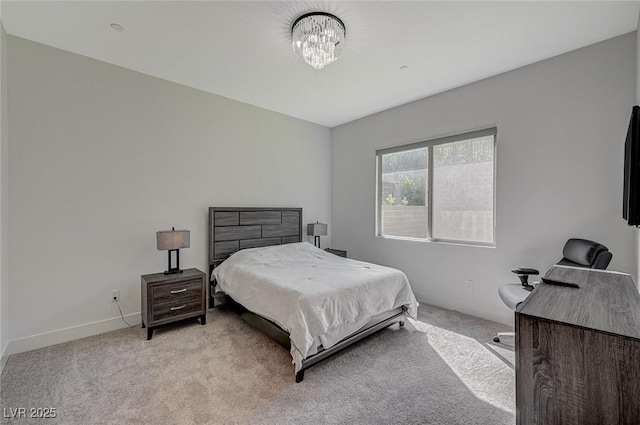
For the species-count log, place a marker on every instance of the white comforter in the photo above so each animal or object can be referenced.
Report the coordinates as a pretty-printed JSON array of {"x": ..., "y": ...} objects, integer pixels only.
[{"x": 311, "y": 293}]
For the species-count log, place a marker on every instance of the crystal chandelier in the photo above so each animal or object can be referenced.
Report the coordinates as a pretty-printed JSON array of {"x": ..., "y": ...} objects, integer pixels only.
[{"x": 318, "y": 38}]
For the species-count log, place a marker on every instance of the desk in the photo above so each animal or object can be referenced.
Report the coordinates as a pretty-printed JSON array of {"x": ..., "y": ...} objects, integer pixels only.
[{"x": 578, "y": 350}]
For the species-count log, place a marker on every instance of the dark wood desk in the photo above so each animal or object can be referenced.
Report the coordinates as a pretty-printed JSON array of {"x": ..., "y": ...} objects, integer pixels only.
[{"x": 578, "y": 351}]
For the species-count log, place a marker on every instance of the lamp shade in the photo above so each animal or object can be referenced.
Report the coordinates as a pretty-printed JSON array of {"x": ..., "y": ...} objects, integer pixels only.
[
  {"x": 173, "y": 239},
  {"x": 317, "y": 229}
]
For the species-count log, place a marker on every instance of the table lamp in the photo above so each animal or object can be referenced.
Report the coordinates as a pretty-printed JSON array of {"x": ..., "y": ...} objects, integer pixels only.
[
  {"x": 171, "y": 241},
  {"x": 316, "y": 230}
]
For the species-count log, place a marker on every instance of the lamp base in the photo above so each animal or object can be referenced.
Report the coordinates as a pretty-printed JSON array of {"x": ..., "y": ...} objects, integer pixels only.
[{"x": 176, "y": 269}]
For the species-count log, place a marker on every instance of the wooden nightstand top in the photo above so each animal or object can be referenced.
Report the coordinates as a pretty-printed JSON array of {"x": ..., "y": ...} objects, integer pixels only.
[
  {"x": 161, "y": 277},
  {"x": 338, "y": 252}
]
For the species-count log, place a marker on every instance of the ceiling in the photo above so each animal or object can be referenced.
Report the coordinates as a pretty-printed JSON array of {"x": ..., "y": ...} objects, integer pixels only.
[{"x": 242, "y": 50}]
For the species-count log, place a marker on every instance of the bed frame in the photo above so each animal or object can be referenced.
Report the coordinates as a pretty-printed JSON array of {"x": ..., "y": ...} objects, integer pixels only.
[{"x": 233, "y": 229}]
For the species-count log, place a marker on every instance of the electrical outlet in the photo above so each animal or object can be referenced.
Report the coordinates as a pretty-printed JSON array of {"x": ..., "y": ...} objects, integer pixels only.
[
  {"x": 469, "y": 285},
  {"x": 115, "y": 295}
]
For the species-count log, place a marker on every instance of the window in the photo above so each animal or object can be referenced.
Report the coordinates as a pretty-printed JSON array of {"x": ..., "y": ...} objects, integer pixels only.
[{"x": 439, "y": 190}]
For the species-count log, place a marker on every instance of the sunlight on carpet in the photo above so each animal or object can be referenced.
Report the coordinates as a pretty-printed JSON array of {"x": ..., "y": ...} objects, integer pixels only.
[{"x": 480, "y": 369}]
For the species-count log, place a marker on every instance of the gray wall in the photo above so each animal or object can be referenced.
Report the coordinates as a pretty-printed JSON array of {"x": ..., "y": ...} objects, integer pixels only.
[
  {"x": 103, "y": 157},
  {"x": 4, "y": 203},
  {"x": 561, "y": 126}
]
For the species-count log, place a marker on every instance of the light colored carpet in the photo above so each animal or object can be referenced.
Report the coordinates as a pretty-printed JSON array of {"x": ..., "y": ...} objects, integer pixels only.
[{"x": 442, "y": 369}]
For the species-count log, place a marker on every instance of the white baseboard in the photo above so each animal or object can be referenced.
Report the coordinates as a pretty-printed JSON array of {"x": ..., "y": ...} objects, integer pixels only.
[
  {"x": 59, "y": 336},
  {"x": 505, "y": 317}
]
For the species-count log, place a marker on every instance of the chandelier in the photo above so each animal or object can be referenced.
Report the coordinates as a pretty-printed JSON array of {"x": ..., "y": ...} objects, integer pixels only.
[{"x": 318, "y": 38}]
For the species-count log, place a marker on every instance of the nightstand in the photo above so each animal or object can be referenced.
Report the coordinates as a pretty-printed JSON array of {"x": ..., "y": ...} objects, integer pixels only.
[
  {"x": 168, "y": 298},
  {"x": 338, "y": 252}
]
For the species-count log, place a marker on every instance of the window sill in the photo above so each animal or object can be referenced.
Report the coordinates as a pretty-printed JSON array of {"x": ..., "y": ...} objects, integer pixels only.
[{"x": 438, "y": 241}]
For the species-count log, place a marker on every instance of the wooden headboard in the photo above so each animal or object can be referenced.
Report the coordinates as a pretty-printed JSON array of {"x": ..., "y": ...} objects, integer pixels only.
[{"x": 233, "y": 229}]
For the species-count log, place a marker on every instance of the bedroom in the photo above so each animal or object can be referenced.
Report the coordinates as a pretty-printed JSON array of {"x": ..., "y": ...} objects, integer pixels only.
[{"x": 86, "y": 183}]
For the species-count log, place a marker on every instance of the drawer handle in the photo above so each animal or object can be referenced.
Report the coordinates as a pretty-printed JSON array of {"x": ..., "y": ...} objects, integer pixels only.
[
  {"x": 179, "y": 291},
  {"x": 178, "y": 308}
]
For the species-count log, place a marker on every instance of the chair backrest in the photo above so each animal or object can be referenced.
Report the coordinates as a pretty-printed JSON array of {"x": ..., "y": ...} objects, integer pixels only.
[{"x": 585, "y": 253}]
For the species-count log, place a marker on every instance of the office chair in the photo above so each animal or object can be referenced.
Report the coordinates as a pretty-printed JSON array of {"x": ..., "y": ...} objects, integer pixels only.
[{"x": 576, "y": 253}]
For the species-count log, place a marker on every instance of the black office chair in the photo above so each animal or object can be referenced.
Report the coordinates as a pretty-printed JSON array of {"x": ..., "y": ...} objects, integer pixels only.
[{"x": 576, "y": 253}]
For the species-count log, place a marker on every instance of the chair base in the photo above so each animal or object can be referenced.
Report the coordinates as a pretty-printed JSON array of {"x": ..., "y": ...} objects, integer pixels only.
[{"x": 501, "y": 334}]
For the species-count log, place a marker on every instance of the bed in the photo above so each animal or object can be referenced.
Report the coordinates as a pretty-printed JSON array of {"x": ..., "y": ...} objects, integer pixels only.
[{"x": 309, "y": 301}]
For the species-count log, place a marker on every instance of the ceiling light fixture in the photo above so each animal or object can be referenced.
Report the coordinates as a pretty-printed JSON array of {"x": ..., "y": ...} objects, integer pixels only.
[{"x": 318, "y": 38}]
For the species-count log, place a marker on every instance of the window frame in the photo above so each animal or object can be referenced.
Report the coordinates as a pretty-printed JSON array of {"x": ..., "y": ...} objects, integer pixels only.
[{"x": 429, "y": 144}]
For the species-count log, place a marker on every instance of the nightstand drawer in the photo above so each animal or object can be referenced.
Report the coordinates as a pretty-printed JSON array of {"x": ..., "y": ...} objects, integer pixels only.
[
  {"x": 174, "y": 309},
  {"x": 177, "y": 291}
]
